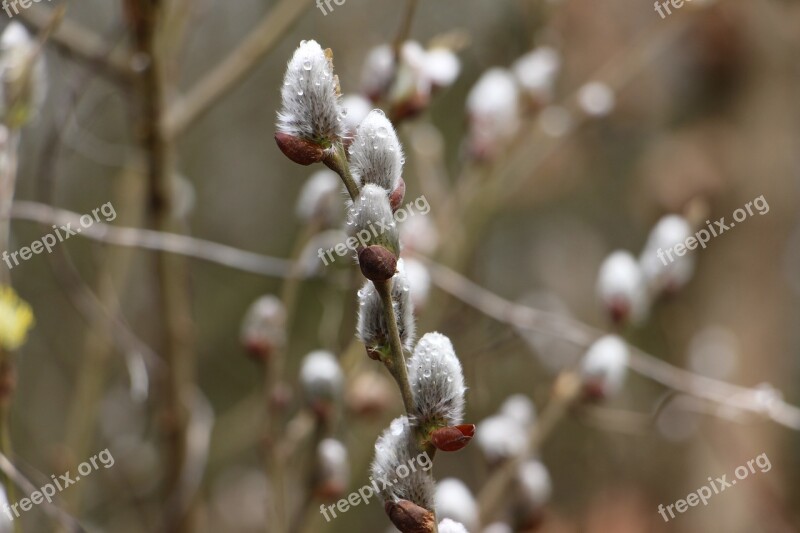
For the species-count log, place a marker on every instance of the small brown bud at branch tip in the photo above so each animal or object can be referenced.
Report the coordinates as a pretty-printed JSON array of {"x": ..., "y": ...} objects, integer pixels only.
[
  {"x": 377, "y": 263},
  {"x": 299, "y": 150},
  {"x": 409, "y": 517}
]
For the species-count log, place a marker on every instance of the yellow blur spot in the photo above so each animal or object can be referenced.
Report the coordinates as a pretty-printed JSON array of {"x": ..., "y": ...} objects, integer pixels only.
[{"x": 16, "y": 319}]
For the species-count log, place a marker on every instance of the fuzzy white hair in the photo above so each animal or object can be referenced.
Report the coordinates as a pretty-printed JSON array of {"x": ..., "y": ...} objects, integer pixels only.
[
  {"x": 437, "y": 381},
  {"x": 265, "y": 322},
  {"x": 321, "y": 376},
  {"x": 620, "y": 282},
  {"x": 320, "y": 197},
  {"x": 310, "y": 96},
  {"x": 519, "y": 408},
  {"x": 535, "y": 483},
  {"x": 606, "y": 363},
  {"x": 376, "y": 155},
  {"x": 393, "y": 449},
  {"x": 537, "y": 70},
  {"x": 372, "y": 213},
  {"x": 451, "y": 526},
  {"x": 454, "y": 500},
  {"x": 333, "y": 461},
  {"x": 500, "y": 437},
  {"x": 371, "y": 328},
  {"x": 665, "y": 235},
  {"x": 23, "y": 86}
]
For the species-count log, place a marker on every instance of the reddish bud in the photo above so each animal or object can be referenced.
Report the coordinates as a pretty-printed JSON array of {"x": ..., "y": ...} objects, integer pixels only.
[
  {"x": 410, "y": 518},
  {"x": 377, "y": 263},
  {"x": 299, "y": 150},
  {"x": 452, "y": 438},
  {"x": 398, "y": 195}
]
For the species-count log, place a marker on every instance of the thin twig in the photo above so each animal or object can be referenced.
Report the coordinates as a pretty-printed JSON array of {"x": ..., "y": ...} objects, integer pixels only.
[
  {"x": 234, "y": 68},
  {"x": 397, "y": 365},
  {"x": 719, "y": 392},
  {"x": 159, "y": 241},
  {"x": 67, "y": 521},
  {"x": 82, "y": 44},
  {"x": 405, "y": 28}
]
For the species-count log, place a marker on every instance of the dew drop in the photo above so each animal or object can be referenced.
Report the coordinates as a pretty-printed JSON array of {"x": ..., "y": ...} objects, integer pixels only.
[
  {"x": 381, "y": 132},
  {"x": 307, "y": 65},
  {"x": 300, "y": 92}
]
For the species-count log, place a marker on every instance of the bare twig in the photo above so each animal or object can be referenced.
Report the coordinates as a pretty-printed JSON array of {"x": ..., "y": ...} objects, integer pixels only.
[
  {"x": 718, "y": 392},
  {"x": 234, "y": 68},
  {"x": 67, "y": 521},
  {"x": 174, "y": 243},
  {"x": 82, "y": 44},
  {"x": 405, "y": 28}
]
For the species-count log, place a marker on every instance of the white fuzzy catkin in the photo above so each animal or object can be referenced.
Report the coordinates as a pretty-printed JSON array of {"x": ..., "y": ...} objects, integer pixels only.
[
  {"x": 320, "y": 197},
  {"x": 23, "y": 86},
  {"x": 371, "y": 328},
  {"x": 596, "y": 99},
  {"x": 498, "y": 527},
  {"x": 454, "y": 500},
  {"x": 494, "y": 111},
  {"x": 393, "y": 451},
  {"x": 355, "y": 108},
  {"x": 536, "y": 72},
  {"x": 334, "y": 465},
  {"x": 535, "y": 484},
  {"x": 450, "y": 526},
  {"x": 519, "y": 408},
  {"x": 264, "y": 324},
  {"x": 669, "y": 231},
  {"x": 441, "y": 67},
  {"x": 420, "y": 235},
  {"x": 371, "y": 219},
  {"x": 376, "y": 155},
  {"x": 378, "y": 71},
  {"x": 437, "y": 382},
  {"x": 605, "y": 365},
  {"x": 621, "y": 287},
  {"x": 419, "y": 280},
  {"x": 310, "y": 99},
  {"x": 321, "y": 377},
  {"x": 500, "y": 437}
]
